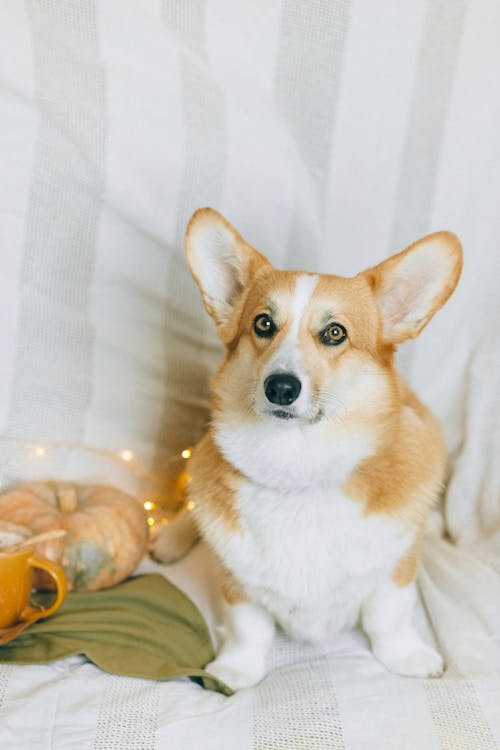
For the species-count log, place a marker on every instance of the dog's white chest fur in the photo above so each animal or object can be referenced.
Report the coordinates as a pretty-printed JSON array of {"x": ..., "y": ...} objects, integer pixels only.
[{"x": 310, "y": 558}]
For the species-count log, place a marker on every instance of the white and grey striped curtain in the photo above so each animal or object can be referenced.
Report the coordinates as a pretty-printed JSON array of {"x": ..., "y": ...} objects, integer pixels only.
[{"x": 330, "y": 132}]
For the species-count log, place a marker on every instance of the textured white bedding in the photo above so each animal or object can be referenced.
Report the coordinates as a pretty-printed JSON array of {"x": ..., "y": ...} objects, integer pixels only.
[
  {"x": 330, "y": 698},
  {"x": 331, "y": 133}
]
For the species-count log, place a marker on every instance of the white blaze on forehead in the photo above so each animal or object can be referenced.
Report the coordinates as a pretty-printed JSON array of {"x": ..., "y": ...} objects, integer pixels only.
[
  {"x": 288, "y": 357},
  {"x": 304, "y": 289}
]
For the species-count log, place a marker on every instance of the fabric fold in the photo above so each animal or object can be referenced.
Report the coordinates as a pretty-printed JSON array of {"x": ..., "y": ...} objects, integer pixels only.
[{"x": 144, "y": 627}]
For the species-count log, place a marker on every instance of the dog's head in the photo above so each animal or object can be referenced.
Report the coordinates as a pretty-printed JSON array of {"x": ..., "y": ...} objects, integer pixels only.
[{"x": 302, "y": 347}]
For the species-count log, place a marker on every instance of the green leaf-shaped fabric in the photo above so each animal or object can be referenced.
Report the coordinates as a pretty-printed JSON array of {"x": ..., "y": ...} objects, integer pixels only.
[{"x": 144, "y": 627}]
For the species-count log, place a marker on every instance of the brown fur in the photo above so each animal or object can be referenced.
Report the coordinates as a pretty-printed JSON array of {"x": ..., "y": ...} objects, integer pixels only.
[
  {"x": 231, "y": 590},
  {"x": 405, "y": 571},
  {"x": 411, "y": 457},
  {"x": 216, "y": 481}
]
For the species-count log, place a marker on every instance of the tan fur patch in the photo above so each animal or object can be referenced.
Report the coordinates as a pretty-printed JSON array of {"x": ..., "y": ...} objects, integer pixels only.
[
  {"x": 404, "y": 475},
  {"x": 406, "y": 569},
  {"x": 231, "y": 590},
  {"x": 349, "y": 302},
  {"x": 214, "y": 483},
  {"x": 270, "y": 292}
]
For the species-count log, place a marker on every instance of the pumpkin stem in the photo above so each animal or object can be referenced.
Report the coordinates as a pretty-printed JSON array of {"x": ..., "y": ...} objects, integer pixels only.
[{"x": 68, "y": 501}]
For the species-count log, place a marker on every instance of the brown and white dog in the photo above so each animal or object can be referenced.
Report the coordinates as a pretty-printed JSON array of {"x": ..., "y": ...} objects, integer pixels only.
[{"x": 314, "y": 481}]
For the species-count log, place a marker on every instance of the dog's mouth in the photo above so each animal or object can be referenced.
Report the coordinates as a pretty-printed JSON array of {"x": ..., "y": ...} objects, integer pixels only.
[
  {"x": 282, "y": 414},
  {"x": 289, "y": 416}
]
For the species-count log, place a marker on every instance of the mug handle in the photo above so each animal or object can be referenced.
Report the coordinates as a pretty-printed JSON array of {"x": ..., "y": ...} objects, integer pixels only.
[{"x": 30, "y": 613}]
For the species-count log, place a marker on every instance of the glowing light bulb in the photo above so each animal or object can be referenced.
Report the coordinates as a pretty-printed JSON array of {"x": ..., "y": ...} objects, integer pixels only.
[
  {"x": 150, "y": 521},
  {"x": 186, "y": 453},
  {"x": 149, "y": 505},
  {"x": 39, "y": 451},
  {"x": 127, "y": 455},
  {"x": 191, "y": 505}
]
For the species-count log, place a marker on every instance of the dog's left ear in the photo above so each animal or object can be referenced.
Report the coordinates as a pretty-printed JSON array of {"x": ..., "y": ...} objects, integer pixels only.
[
  {"x": 221, "y": 262},
  {"x": 411, "y": 286}
]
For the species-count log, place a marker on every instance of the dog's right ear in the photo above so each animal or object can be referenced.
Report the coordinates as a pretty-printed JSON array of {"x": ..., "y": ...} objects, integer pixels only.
[{"x": 221, "y": 262}]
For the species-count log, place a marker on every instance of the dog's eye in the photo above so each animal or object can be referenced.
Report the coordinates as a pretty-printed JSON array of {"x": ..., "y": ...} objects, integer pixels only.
[
  {"x": 264, "y": 326},
  {"x": 333, "y": 335}
]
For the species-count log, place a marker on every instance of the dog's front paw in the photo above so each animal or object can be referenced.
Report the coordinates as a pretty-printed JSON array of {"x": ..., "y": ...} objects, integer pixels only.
[
  {"x": 238, "y": 675},
  {"x": 174, "y": 540},
  {"x": 410, "y": 659}
]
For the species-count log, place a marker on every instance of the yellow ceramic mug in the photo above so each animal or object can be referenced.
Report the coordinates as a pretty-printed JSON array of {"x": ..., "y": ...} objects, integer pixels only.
[{"x": 16, "y": 570}]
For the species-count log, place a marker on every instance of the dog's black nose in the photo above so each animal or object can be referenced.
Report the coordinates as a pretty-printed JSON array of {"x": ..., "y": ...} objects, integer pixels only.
[{"x": 282, "y": 389}]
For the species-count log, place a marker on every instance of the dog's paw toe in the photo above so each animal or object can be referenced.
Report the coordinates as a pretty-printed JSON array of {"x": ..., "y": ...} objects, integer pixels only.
[
  {"x": 174, "y": 540},
  {"x": 234, "y": 676},
  {"x": 418, "y": 661}
]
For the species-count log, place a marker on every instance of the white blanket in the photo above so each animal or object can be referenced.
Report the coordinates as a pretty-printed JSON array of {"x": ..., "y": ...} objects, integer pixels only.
[{"x": 334, "y": 698}]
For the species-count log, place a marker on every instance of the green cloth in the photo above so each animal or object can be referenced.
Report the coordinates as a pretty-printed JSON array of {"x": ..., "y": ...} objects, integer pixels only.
[{"x": 144, "y": 627}]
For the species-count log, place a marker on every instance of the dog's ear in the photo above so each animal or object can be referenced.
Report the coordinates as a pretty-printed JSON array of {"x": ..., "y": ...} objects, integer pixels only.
[
  {"x": 221, "y": 262},
  {"x": 411, "y": 286}
]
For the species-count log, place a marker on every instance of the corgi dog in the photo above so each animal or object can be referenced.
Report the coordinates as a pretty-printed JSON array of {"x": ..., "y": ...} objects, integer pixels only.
[{"x": 313, "y": 483}]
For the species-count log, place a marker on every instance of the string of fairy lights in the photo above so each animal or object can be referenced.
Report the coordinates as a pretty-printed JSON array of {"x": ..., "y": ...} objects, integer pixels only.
[{"x": 155, "y": 509}]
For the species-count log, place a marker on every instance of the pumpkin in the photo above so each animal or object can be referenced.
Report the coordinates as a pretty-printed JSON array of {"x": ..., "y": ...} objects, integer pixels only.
[
  {"x": 11, "y": 534},
  {"x": 106, "y": 531}
]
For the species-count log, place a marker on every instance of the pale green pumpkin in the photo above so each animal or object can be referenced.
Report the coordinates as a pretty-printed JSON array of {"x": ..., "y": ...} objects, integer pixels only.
[{"x": 106, "y": 530}]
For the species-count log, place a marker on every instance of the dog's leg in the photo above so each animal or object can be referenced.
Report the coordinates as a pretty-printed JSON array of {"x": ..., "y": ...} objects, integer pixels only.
[
  {"x": 248, "y": 631},
  {"x": 175, "y": 539},
  {"x": 387, "y": 618}
]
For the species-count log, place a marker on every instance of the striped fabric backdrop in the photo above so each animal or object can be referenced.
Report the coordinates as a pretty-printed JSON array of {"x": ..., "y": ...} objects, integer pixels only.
[{"x": 330, "y": 132}]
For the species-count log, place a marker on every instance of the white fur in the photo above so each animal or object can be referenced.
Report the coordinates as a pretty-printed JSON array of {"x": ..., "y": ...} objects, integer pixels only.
[
  {"x": 248, "y": 632},
  {"x": 304, "y": 289},
  {"x": 307, "y": 553},
  {"x": 315, "y": 563},
  {"x": 309, "y": 557},
  {"x": 214, "y": 251},
  {"x": 387, "y": 619},
  {"x": 409, "y": 290},
  {"x": 288, "y": 357},
  {"x": 287, "y": 457}
]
